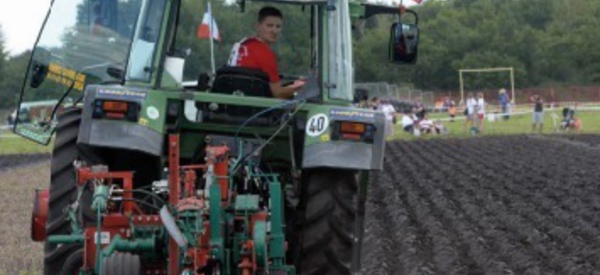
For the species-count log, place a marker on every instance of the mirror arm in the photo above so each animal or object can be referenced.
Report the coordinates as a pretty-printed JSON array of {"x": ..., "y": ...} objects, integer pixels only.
[
  {"x": 371, "y": 10},
  {"x": 414, "y": 13},
  {"x": 242, "y": 5}
]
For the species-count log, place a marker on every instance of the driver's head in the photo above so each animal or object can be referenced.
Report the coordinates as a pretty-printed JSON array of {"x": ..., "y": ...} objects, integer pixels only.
[{"x": 269, "y": 24}]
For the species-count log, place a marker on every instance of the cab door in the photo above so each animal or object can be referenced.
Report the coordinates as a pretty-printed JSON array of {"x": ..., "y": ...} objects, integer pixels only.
[{"x": 82, "y": 42}]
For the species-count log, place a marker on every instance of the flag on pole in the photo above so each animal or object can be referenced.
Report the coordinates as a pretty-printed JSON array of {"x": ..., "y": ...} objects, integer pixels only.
[{"x": 208, "y": 26}]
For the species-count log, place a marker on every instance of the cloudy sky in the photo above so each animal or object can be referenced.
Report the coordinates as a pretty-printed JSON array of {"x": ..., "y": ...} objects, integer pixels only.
[{"x": 21, "y": 21}]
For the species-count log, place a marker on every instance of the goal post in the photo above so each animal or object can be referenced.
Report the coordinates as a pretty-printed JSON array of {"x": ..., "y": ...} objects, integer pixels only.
[{"x": 487, "y": 70}]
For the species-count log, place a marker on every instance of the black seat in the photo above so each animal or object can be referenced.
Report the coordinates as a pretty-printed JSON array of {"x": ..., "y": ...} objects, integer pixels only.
[
  {"x": 249, "y": 82},
  {"x": 243, "y": 82}
]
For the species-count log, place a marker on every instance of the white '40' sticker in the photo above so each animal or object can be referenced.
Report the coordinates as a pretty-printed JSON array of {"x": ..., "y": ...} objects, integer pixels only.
[{"x": 317, "y": 125}]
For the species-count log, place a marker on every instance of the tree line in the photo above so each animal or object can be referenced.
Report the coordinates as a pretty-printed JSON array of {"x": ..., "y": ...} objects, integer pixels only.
[{"x": 547, "y": 42}]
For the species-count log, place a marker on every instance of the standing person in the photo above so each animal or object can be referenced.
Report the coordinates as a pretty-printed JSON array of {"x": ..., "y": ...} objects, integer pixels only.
[
  {"x": 538, "y": 114},
  {"x": 419, "y": 107},
  {"x": 390, "y": 112},
  {"x": 504, "y": 103},
  {"x": 471, "y": 104},
  {"x": 255, "y": 53},
  {"x": 480, "y": 111},
  {"x": 451, "y": 108}
]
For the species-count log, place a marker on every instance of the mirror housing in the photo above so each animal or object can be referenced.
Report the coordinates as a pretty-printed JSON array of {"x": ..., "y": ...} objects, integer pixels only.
[
  {"x": 38, "y": 74},
  {"x": 404, "y": 41},
  {"x": 39, "y": 67}
]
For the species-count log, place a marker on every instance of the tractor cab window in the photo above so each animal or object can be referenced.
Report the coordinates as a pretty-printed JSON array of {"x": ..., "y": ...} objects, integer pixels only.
[
  {"x": 294, "y": 50},
  {"x": 340, "y": 67},
  {"x": 145, "y": 40},
  {"x": 82, "y": 42}
]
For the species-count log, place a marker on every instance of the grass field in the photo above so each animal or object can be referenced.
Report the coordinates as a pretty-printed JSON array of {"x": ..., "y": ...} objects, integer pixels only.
[
  {"x": 517, "y": 124},
  {"x": 13, "y": 144}
]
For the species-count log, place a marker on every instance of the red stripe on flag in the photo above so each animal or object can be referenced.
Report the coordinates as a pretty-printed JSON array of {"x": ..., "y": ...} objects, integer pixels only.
[{"x": 203, "y": 31}]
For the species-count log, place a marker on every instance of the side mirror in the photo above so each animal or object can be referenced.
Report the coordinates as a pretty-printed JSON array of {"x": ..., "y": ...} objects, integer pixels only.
[
  {"x": 39, "y": 67},
  {"x": 38, "y": 74},
  {"x": 404, "y": 41}
]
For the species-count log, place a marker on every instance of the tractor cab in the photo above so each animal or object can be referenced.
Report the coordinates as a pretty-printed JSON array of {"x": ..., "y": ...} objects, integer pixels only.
[{"x": 158, "y": 45}]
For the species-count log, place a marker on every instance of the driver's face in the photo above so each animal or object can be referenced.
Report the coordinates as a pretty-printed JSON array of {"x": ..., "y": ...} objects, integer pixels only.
[{"x": 268, "y": 30}]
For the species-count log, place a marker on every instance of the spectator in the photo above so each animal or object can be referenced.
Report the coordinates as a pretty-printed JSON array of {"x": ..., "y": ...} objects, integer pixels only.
[
  {"x": 538, "y": 114},
  {"x": 362, "y": 102},
  {"x": 420, "y": 108},
  {"x": 451, "y": 105},
  {"x": 426, "y": 125},
  {"x": 504, "y": 103},
  {"x": 374, "y": 104},
  {"x": 388, "y": 109},
  {"x": 408, "y": 123},
  {"x": 568, "y": 118},
  {"x": 471, "y": 103},
  {"x": 361, "y": 98},
  {"x": 480, "y": 111},
  {"x": 440, "y": 128}
]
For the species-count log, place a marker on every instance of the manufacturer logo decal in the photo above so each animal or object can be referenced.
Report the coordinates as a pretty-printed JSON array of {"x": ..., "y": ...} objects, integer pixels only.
[{"x": 152, "y": 113}]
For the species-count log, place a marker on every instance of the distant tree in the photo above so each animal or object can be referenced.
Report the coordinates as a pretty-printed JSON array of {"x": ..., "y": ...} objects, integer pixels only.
[
  {"x": 3, "y": 64},
  {"x": 3, "y": 55},
  {"x": 12, "y": 72},
  {"x": 15, "y": 72}
]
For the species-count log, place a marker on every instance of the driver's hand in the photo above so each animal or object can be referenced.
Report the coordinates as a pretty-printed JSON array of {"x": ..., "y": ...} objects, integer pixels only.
[{"x": 297, "y": 84}]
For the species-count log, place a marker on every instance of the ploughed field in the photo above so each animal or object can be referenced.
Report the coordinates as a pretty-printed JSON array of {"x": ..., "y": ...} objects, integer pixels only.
[
  {"x": 494, "y": 205},
  {"x": 490, "y": 205}
]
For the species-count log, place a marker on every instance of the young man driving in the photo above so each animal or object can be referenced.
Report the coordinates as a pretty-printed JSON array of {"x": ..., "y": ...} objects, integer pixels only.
[{"x": 255, "y": 53}]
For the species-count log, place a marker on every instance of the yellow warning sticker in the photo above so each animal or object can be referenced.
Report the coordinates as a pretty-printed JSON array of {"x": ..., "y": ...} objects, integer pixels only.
[
  {"x": 66, "y": 76},
  {"x": 325, "y": 137}
]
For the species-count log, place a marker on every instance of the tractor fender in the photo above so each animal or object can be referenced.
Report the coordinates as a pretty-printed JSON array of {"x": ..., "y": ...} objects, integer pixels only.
[
  {"x": 39, "y": 215},
  {"x": 324, "y": 146},
  {"x": 144, "y": 135}
]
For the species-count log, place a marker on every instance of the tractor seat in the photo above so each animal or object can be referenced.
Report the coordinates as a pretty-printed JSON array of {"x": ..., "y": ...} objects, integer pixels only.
[
  {"x": 248, "y": 82},
  {"x": 242, "y": 82}
]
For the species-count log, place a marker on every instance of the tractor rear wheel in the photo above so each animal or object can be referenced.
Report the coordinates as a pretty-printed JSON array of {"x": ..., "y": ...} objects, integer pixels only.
[
  {"x": 328, "y": 230},
  {"x": 73, "y": 263},
  {"x": 63, "y": 188}
]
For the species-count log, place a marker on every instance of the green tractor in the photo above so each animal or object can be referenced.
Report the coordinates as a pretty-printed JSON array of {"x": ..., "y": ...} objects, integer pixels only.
[{"x": 163, "y": 164}]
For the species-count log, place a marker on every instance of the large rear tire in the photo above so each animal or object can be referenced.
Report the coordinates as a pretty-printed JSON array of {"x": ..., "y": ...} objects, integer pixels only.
[
  {"x": 328, "y": 230},
  {"x": 63, "y": 188}
]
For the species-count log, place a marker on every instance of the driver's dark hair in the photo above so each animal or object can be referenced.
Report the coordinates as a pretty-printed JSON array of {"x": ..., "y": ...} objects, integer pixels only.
[{"x": 268, "y": 11}]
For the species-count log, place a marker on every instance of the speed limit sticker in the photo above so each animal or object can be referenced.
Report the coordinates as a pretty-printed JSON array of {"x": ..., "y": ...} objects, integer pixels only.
[{"x": 317, "y": 125}]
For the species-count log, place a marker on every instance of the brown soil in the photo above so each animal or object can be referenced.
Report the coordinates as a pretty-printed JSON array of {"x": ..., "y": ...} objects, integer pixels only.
[
  {"x": 20, "y": 255},
  {"x": 13, "y": 161},
  {"x": 506, "y": 205}
]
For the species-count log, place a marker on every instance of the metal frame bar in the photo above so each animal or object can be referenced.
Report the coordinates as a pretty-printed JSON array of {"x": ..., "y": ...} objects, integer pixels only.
[{"x": 487, "y": 70}]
